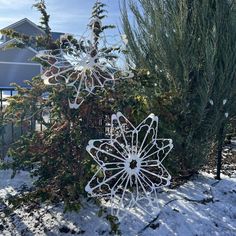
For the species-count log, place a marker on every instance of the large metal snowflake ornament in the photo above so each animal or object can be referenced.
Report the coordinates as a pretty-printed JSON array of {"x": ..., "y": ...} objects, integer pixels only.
[
  {"x": 130, "y": 164},
  {"x": 82, "y": 66}
]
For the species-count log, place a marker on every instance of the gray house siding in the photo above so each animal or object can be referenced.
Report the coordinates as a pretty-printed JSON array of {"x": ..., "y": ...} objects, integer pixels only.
[
  {"x": 23, "y": 55},
  {"x": 16, "y": 64},
  {"x": 17, "y": 73}
]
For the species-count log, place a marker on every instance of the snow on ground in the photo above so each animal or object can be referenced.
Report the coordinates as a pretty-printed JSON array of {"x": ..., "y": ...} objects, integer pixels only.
[{"x": 202, "y": 206}]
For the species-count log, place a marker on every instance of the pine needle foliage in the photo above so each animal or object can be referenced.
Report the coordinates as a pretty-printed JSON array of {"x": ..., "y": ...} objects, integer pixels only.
[
  {"x": 41, "y": 7},
  {"x": 189, "y": 49}
]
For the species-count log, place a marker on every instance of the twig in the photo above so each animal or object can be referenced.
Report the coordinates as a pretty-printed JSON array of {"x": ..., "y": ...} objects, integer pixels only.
[{"x": 149, "y": 224}]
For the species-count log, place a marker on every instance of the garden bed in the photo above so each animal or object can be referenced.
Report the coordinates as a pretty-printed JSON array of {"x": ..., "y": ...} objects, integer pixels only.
[{"x": 202, "y": 206}]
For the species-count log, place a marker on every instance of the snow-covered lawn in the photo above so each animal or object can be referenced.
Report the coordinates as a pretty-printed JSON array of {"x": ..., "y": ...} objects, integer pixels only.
[{"x": 202, "y": 206}]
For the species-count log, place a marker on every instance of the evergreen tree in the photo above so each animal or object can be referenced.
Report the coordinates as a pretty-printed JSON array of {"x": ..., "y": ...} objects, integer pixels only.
[
  {"x": 189, "y": 49},
  {"x": 57, "y": 155}
]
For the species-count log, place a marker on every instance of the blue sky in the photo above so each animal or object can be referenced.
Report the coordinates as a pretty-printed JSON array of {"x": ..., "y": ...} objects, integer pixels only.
[{"x": 69, "y": 16}]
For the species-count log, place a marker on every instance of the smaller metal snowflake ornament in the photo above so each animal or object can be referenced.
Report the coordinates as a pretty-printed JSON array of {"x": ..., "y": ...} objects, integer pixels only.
[{"x": 130, "y": 164}]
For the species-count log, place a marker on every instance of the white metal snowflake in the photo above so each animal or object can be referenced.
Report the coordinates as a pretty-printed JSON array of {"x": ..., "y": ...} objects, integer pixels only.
[
  {"x": 130, "y": 165},
  {"x": 81, "y": 66}
]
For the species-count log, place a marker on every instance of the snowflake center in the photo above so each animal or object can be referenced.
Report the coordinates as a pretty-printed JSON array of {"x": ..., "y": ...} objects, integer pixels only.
[
  {"x": 85, "y": 64},
  {"x": 133, "y": 164},
  {"x": 81, "y": 62}
]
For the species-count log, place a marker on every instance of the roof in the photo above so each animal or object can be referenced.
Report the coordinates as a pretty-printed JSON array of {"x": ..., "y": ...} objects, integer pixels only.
[
  {"x": 55, "y": 35},
  {"x": 2, "y": 45},
  {"x": 14, "y": 25}
]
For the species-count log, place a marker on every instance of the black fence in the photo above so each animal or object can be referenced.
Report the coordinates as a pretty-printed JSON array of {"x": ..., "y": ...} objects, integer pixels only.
[{"x": 9, "y": 132}]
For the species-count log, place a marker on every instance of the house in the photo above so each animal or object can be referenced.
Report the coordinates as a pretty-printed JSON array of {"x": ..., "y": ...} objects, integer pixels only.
[{"x": 16, "y": 64}]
